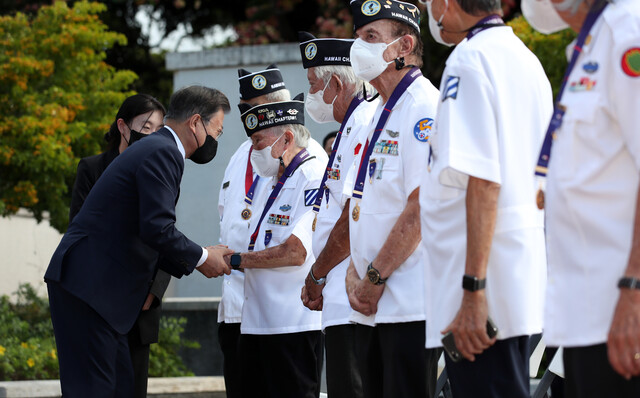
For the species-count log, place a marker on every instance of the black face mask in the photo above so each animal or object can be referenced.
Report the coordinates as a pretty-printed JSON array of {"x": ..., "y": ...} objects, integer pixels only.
[
  {"x": 206, "y": 152},
  {"x": 135, "y": 136}
]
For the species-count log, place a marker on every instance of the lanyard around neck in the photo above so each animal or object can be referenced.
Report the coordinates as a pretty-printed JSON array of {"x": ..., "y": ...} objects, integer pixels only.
[
  {"x": 323, "y": 188},
  {"x": 485, "y": 23},
  {"x": 559, "y": 110},
  {"x": 300, "y": 158},
  {"x": 414, "y": 73}
]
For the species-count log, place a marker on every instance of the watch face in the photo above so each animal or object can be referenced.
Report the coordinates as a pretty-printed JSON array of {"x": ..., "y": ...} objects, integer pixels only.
[
  {"x": 235, "y": 260},
  {"x": 373, "y": 275}
]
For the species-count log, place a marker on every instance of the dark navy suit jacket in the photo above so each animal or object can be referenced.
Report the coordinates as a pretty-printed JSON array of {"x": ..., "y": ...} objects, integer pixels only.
[{"x": 125, "y": 230}]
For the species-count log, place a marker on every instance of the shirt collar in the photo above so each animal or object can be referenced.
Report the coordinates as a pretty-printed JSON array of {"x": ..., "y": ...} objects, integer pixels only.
[{"x": 178, "y": 142}]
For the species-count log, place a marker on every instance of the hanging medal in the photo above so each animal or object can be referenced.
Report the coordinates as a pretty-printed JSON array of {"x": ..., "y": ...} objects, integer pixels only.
[
  {"x": 323, "y": 186},
  {"x": 559, "y": 110},
  {"x": 355, "y": 214},
  {"x": 370, "y": 166}
]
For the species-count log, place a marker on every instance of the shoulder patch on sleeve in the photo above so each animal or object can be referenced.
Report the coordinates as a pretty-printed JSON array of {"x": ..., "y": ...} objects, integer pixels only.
[
  {"x": 422, "y": 129},
  {"x": 451, "y": 88},
  {"x": 310, "y": 196},
  {"x": 631, "y": 62}
]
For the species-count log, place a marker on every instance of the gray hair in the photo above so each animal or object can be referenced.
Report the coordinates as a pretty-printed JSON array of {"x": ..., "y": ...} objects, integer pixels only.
[
  {"x": 346, "y": 75},
  {"x": 301, "y": 134},
  {"x": 477, "y": 7},
  {"x": 196, "y": 100},
  {"x": 400, "y": 29},
  {"x": 573, "y": 5},
  {"x": 277, "y": 96}
]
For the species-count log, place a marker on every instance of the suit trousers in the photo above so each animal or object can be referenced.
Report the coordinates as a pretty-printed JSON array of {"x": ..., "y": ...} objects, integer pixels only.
[
  {"x": 343, "y": 376},
  {"x": 228, "y": 336},
  {"x": 393, "y": 361},
  {"x": 94, "y": 359},
  {"x": 501, "y": 371},
  {"x": 281, "y": 365},
  {"x": 139, "y": 353},
  {"x": 588, "y": 374}
]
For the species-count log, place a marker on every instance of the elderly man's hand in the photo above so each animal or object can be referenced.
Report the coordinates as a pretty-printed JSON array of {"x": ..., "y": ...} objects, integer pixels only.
[
  {"x": 469, "y": 327},
  {"x": 311, "y": 294},
  {"x": 312, "y": 304},
  {"x": 623, "y": 343},
  {"x": 363, "y": 295},
  {"x": 215, "y": 265}
]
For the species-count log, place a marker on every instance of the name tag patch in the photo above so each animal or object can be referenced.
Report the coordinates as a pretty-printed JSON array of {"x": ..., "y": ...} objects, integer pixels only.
[{"x": 386, "y": 147}]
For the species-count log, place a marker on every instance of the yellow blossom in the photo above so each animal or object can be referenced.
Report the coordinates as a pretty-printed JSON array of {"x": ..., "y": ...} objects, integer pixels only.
[
  {"x": 24, "y": 345},
  {"x": 2, "y": 350},
  {"x": 31, "y": 362},
  {"x": 53, "y": 353}
]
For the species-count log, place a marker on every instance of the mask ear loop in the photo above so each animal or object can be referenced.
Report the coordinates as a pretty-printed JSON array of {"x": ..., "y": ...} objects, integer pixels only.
[{"x": 364, "y": 94}]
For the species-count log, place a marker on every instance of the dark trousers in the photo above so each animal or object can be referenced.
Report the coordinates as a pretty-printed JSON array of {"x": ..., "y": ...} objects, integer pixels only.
[
  {"x": 139, "y": 353},
  {"x": 281, "y": 365},
  {"x": 228, "y": 336},
  {"x": 343, "y": 376},
  {"x": 501, "y": 371},
  {"x": 393, "y": 361},
  {"x": 588, "y": 373},
  {"x": 94, "y": 359}
]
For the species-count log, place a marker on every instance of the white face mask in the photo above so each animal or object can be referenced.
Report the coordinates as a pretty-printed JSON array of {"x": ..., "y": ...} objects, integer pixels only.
[
  {"x": 435, "y": 27},
  {"x": 263, "y": 163},
  {"x": 320, "y": 111},
  {"x": 367, "y": 59},
  {"x": 542, "y": 16}
]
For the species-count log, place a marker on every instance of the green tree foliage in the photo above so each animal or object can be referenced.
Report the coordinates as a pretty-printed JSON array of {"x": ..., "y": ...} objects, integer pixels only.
[
  {"x": 550, "y": 49},
  {"x": 28, "y": 349},
  {"x": 57, "y": 99}
]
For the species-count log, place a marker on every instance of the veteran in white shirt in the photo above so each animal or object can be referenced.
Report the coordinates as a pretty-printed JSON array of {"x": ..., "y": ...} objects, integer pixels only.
[
  {"x": 281, "y": 339},
  {"x": 593, "y": 239},
  {"x": 483, "y": 233},
  {"x": 334, "y": 96},
  {"x": 240, "y": 187},
  {"x": 384, "y": 279}
]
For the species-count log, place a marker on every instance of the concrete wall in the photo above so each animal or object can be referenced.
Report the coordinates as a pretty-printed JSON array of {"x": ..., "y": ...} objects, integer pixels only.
[
  {"x": 197, "y": 210},
  {"x": 26, "y": 248}
]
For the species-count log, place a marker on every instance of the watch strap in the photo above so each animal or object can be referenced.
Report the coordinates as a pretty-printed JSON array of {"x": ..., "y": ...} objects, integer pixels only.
[
  {"x": 629, "y": 283},
  {"x": 472, "y": 283},
  {"x": 319, "y": 281}
]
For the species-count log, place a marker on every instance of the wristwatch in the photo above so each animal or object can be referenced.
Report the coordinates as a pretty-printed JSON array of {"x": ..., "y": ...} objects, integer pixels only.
[
  {"x": 629, "y": 282},
  {"x": 235, "y": 260},
  {"x": 319, "y": 281},
  {"x": 374, "y": 275},
  {"x": 472, "y": 283}
]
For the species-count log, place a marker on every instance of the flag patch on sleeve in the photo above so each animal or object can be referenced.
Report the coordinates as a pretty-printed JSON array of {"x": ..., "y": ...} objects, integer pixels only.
[
  {"x": 310, "y": 196},
  {"x": 451, "y": 88}
]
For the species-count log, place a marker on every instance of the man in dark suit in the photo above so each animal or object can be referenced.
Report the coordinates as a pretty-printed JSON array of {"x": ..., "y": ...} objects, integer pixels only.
[
  {"x": 99, "y": 275},
  {"x": 138, "y": 116}
]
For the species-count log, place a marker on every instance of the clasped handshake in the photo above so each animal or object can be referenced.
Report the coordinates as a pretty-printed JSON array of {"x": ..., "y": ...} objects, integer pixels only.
[{"x": 217, "y": 262}]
